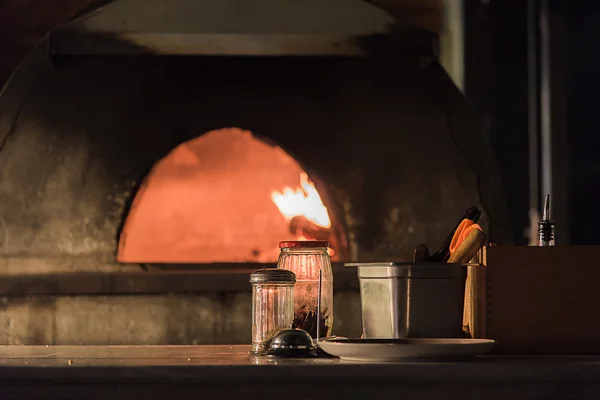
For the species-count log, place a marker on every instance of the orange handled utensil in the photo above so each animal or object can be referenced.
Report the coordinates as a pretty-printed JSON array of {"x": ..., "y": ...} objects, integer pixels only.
[{"x": 463, "y": 230}]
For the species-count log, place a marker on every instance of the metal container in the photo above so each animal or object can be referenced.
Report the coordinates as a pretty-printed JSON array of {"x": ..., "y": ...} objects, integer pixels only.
[{"x": 411, "y": 300}]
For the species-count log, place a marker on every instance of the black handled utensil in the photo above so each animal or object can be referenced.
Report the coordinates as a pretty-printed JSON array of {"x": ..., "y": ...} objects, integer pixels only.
[{"x": 421, "y": 253}]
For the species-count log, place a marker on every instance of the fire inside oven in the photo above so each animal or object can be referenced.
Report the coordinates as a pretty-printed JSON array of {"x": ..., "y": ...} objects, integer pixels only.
[{"x": 225, "y": 196}]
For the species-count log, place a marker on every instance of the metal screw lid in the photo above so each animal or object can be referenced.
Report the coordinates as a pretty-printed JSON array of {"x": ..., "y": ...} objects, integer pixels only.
[
  {"x": 302, "y": 244},
  {"x": 272, "y": 275}
]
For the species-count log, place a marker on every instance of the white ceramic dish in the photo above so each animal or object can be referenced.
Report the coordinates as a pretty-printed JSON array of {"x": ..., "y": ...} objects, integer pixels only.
[{"x": 394, "y": 350}]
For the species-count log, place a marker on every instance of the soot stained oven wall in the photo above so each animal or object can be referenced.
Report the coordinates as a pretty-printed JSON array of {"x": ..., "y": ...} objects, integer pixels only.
[{"x": 389, "y": 140}]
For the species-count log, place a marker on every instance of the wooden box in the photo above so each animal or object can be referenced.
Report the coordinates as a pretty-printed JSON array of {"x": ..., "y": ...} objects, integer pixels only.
[{"x": 536, "y": 300}]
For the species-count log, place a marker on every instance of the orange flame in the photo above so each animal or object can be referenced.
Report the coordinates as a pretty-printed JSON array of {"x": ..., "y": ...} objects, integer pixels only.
[{"x": 304, "y": 201}]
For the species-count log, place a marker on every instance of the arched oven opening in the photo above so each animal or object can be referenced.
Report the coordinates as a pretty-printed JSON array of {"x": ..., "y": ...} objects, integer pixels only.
[{"x": 226, "y": 197}]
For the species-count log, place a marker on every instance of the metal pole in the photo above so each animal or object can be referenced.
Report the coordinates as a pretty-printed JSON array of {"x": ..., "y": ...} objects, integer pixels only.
[
  {"x": 452, "y": 40},
  {"x": 545, "y": 101},
  {"x": 533, "y": 114}
]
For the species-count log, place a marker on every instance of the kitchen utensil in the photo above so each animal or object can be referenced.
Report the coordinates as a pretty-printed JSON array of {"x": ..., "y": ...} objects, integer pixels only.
[
  {"x": 400, "y": 300},
  {"x": 469, "y": 247},
  {"x": 443, "y": 253},
  {"x": 421, "y": 253},
  {"x": 463, "y": 230},
  {"x": 319, "y": 305},
  {"x": 394, "y": 350}
]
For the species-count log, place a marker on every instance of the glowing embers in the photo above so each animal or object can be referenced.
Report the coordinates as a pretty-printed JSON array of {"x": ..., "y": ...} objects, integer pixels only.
[{"x": 223, "y": 197}]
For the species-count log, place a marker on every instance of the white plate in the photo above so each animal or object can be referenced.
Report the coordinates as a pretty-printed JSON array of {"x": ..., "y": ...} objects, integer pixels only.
[{"x": 390, "y": 350}]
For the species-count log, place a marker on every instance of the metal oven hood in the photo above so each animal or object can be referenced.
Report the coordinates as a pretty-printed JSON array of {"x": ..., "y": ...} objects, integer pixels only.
[{"x": 239, "y": 27}]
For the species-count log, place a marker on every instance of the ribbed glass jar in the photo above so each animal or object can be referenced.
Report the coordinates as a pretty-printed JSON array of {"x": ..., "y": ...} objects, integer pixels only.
[
  {"x": 306, "y": 259},
  {"x": 272, "y": 305}
]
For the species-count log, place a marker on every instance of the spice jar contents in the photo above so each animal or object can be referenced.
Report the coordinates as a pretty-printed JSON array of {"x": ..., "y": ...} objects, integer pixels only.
[
  {"x": 272, "y": 305},
  {"x": 306, "y": 259},
  {"x": 308, "y": 322}
]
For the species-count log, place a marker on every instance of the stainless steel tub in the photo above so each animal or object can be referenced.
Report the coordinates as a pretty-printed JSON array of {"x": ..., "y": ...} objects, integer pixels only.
[{"x": 411, "y": 300}]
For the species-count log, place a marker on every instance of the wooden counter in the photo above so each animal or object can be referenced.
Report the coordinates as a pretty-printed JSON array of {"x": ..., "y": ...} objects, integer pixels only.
[{"x": 182, "y": 372}]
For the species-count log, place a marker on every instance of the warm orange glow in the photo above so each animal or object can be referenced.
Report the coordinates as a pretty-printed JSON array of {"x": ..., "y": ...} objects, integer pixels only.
[
  {"x": 215, "y": 199},
  {"x": 304, "y": 201}
]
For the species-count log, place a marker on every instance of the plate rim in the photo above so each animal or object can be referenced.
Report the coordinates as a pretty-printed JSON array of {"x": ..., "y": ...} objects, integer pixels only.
[
  {"x": 422, "y": 341},
  {"x": 471, "y": 348}
]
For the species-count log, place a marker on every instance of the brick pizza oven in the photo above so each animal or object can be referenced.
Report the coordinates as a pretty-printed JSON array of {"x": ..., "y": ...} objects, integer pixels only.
[{"x": 154, "y": 152}]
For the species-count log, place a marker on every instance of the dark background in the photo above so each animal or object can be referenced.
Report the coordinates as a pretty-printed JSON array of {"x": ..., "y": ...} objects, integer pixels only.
[
  {"x": 584, "y": 140},
  {"x": 496, "y": 80}
]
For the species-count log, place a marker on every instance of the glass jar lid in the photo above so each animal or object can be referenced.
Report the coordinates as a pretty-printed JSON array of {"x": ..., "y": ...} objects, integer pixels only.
[
  {"x": 302, "y": 244},
  {"x": 272, "y": 275}
]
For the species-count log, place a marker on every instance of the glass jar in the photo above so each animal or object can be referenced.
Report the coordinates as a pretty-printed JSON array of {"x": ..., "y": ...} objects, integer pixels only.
[
  {"x": 272, "y": 305},
  {"x": 306, "y": 259}
]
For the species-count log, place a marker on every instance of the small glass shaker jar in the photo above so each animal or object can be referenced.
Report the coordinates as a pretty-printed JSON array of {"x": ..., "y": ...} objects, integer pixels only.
[
  {"x": 306, "y": 259},
  {"x": 272, "y": 305}
]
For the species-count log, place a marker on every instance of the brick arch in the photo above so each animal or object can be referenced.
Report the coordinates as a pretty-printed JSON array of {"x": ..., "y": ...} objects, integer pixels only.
[{"x": 209, "y": 200}]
